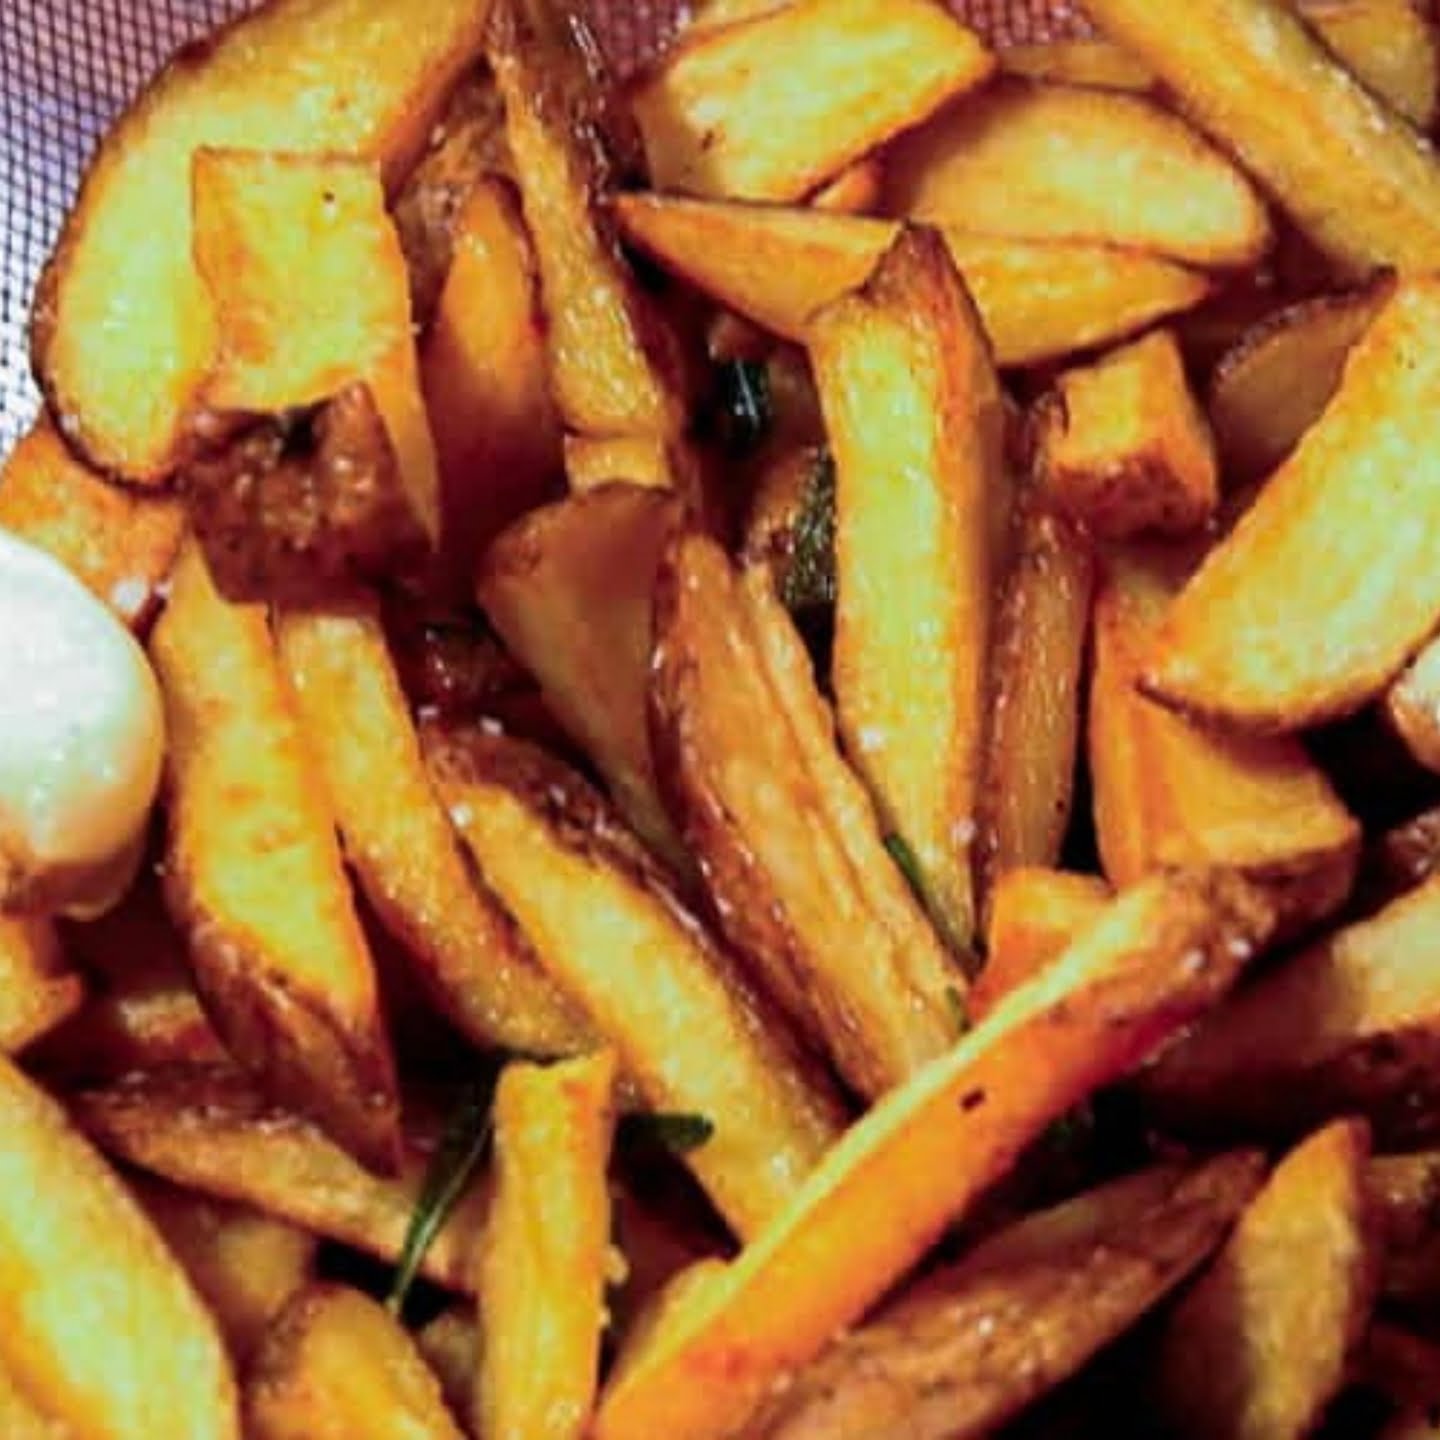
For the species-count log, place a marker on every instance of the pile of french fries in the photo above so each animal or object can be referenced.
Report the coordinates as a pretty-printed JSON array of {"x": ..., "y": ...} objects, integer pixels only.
[{"x": 802, "y": 771}]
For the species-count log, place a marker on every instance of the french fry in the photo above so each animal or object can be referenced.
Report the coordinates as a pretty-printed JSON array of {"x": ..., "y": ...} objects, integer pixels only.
[
  {"x": 399, "y": 841},
  {"x": 1122, "y": 446},
  {"x": 38, "y": 990},
  {"x": 451, "y": 1346},
  {"x": 123, "y": 335},
  {"x": 542, "y": 1274},
  {"x": 120, "y": 543},
  {"x": 209, "y": 1129},
  {"x": 607, "y": 923},
  {"x": 916, "y": 561},
  {"x": 1271, "y": 386},
  {"x": 1259, "y": 1347},
  {"x": 569, "y": 590},
  {"x": 244, "y": 1265},
  {"x": 336, "y": 1366},
  {"x": 101, "y": 1330},
  {"x": 777, "y": 266},
  {"x": 482, "y": 368},
  {"x": 1063, "y": 162},
  {"x": 1358, "y": 179},
  {"x": 1412, "y": 704},
  {"x": 1169, "y": 792},
  {"x": 925, "y": 1153},
  {"x": 968, "y": 1347},
  {"x": 1389, "y": 45},
  {"x": 254, "y": 875},
  {"x": 1347, "y": 1026},
  {"x": 1315, "y": 601},
  {"x": 772, "y": 106},
  {"x": 789, "y": 842},
  {"x": 615, "y": 366},
  {"x": 1041, "y": 628},
  {"x": 1034, "y": 916}
]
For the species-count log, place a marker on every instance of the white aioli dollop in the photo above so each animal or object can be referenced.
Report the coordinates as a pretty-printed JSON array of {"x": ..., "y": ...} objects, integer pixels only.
[{"x": 82, "y": 740}]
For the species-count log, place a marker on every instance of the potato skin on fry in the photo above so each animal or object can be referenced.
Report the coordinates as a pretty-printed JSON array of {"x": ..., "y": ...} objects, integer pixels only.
[{"x": 968, "y": 1347}]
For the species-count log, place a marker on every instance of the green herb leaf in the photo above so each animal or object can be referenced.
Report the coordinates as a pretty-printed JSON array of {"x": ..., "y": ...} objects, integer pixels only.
[
  {"x": 462, "y": 1148},
  {"x": 904, "y": 857},
  {"x": 959, "y": 1011},
  {"x": 746, "y": 414},
  {"x": 678, "y": 1132},
  {"x": 809, "y": 581}
]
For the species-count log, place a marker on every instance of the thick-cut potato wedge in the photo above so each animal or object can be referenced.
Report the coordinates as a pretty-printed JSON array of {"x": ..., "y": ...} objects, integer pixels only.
[
  {"x": 482, "y": 367},
  {"x": 1275, "y": 382},
  {"x": 569, "y": 589},
  {"x": 1170, "y": 792},
  {"x": 609, "y": 926},
  {"x": 1041, "y": 628},
  {"x": 591, "y": 462},
  {"x": 854, "y": 191},
  {"x": 124, "y": 334},
  {"x": 1063, "y": 162},
  {"x": 451, "y": 1346},
  {"x": 926, "y": 1152},
  {"x": 399, "y": 842},
  {"x": 38, "y": 990},
  {"x": 777, "y": 266},
  {"x": 120, "y": 543},
  {"x": 789, "y": 844},
  {"x": 1034, "y": 915},
  {"x": 968, "y": 1347},
  {"x": 254, "y": 876},
  {"x": 1348, "y": 1025},
  {"x": 244, "y": 1265},
  {"x": 336, "y": 1366},
  {"x": 310, "y": 296},
  {"x": 98, "y": 1325},
  {"x": 715, "y": 14},
  {"x": 1259, "y": 1347},
  {"x": 1412, "y": 705},
  {"x": 1389, "y": 45},
  {"x": 1320, "y": 595},
  {"x": 615, "y": 367},
  {"x": 916, "y": 424},
  {"x": 20, "y": 1419},
  {"x": 1359, "y": 180},
  {"x": 770, "y": 107},
  {"x": 542, "y": 1274},
  {"x": 209, "y": 1129},
  {"x": 1122, "y": 447}
]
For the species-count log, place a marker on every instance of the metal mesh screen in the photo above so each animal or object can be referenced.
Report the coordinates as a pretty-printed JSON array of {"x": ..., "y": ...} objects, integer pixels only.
[{"x": 68, "y": 66}]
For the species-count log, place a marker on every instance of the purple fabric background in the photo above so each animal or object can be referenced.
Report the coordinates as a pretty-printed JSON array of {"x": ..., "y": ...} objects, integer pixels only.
[{"x": 67, "y": 66}]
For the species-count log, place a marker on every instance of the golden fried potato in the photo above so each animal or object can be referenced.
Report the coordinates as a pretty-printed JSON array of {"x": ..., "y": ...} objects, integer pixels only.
[
  {"x": 1359, "y": 180},
  {"x": 967, "y": 1347},
  {"x": 1274, "y": 383},
  {"x": 1259, "y": 1347},
  {"x": 569, "y": 589},
  {"x": 777, "y": 266},
  {"x": 916, "y": 425},
  {"x": 925, "y": 1153},
  {"x": 1170, "y": 792},
  {"x": 772, "y": 106},
  {"x": 1346, "y": 1026},
  {"x": 120, "y": 543},
  {"x": 39, "y": 992},
  {"x": 544, "y": 1266},
  {"x": 1320, "y": 595},
  {"x": 640, "y": 460},
  {"x": 1122, "y": 447},
  {"x": 336, "y": 1366},
  {"x": 487, "y": 391},
  {"x": 854, "y": 191},
  {"x": 451, "y": 1346},
  {"x": 124, "y": 335},
  {"x": 208, "y": 1128},
  {"x": 244, "y": 1265},
  {"x": 1061, "y": 162},
  {"x": 19, "y": 1417},
  {"x": 789, "y": 844},
  {"x": 607, "y": 923},
  {"x": 399, "y": 842},
  {"x": 1041, "y": 628},
  {"x": 1412, "y": 705},
  {"x": 98, "y": 1325},
  {"x": 1034, "y": 916},
  {"x": 254, "y": 876},
  {"x": 1093, "y": 61}
]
